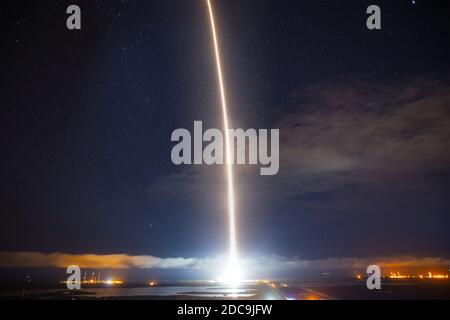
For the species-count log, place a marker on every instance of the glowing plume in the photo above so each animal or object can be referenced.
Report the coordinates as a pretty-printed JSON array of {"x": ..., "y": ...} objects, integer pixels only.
[{"x": 232, "y": 274}]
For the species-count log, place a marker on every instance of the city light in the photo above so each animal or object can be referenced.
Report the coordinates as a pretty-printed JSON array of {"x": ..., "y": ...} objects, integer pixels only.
[
  {"x": 428, "y": 275},
  {"x": 94, "y": 282}
]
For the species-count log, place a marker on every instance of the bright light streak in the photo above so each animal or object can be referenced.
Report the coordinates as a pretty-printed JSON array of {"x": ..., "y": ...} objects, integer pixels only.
[{"x": 232, "y": 274}]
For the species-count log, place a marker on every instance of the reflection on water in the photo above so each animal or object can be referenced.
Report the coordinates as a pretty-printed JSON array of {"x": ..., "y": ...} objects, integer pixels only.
[
  {"x": 194, "y": 291},
  {"x": 170, "y": 291},
  {"x": 267, "y": 290}
]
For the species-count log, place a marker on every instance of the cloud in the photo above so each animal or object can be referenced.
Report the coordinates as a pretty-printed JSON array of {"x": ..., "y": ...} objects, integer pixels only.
[
  {"x": 351, "y": 138},
  {"x": 254, "y": 265},
  {"x": 368, "y": 127},
  {"x": 339, "y": 137},
  {"x": 355, "y": 263},
  {"x": 113, "y": 261}
]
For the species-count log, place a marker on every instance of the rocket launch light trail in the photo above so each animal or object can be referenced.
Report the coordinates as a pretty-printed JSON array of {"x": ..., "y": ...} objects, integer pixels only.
[{"x": 233, "y": 272}]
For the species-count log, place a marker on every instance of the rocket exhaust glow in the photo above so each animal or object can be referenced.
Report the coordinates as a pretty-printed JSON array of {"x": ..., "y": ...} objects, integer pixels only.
[{"x": 233, "y": 272}]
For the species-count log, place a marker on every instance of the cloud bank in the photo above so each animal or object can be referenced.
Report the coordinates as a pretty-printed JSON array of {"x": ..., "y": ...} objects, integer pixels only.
[
  {"x": 254, "y": 264},
  {"x": 111, "y": 261}
]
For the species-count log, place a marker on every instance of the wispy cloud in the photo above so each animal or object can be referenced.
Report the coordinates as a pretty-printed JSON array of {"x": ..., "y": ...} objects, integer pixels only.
[
  {"x": 338, "y": 136},
  {"x": 366, "y": 133}
]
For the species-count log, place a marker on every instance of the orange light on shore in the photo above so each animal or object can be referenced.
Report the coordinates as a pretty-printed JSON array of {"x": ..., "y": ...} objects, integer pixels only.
[
  {"x": 429, "y": 275},
  {"x": 436, "y": 276},
  {"x": 113, "y": 282},
  {"x": 398, "y": 275},
  {"x": 92, "y": 282}
]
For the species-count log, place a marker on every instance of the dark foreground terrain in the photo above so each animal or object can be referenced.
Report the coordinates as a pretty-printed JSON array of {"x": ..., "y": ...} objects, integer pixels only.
[{"x": 267, "y": 290}]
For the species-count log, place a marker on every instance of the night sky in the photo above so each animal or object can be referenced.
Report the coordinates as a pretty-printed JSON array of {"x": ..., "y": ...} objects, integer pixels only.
[{"x": 364, "y": 119}]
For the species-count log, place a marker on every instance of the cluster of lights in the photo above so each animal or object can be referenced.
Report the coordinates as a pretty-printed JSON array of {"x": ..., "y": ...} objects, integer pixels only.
[
  {"x": 398, "y": 275},
  {"x": 92, "y": 281},
  {"x": 429, "y": 275}
]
